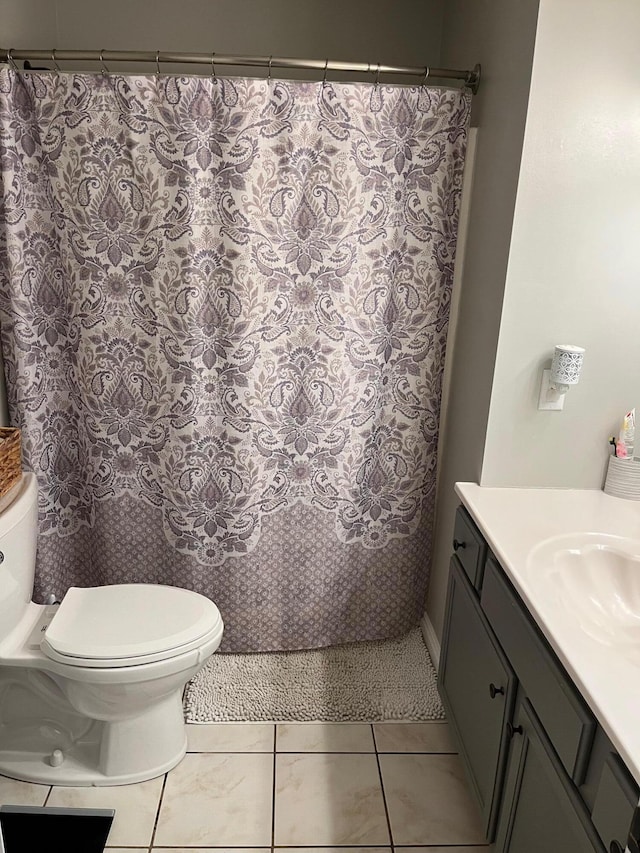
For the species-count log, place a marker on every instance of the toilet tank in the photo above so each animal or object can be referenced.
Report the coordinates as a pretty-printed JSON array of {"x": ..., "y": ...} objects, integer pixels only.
[{"x": 18, "y": 538}]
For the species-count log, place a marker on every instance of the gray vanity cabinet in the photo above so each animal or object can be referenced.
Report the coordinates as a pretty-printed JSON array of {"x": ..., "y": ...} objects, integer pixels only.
[
  {"x": 478, "y": 689},
  {"x": 541, "y": 810},
  {"x": 545, "y": 775}
]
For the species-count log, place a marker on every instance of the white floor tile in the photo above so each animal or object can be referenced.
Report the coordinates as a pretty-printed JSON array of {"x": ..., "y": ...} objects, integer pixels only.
[
  {"x": 324, "y": 737},
  {"x": 428, "y": 801},
  {"x": 329, "y": 799},
  {"x": 14, "y": 793},
  {"x": 474, "y": 848},
  {"x": 230, "y": 737},
  {"x": 413, "y": 737},
  {"x": 217, "y": 799},
  {"x": 136, "y": 807},
  {"x": 336, "y": 850},
  {"x": 210, "y": 850}
]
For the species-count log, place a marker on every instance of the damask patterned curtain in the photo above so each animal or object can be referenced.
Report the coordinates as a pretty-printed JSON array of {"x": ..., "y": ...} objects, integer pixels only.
[{"x": 224, "y": 309}]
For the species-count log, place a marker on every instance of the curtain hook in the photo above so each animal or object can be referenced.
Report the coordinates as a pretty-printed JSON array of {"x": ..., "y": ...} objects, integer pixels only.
[
  {"x": 269, "y": 75},
  {"x": 56, "y": 67},
  {"x": 12, "y": 61},
  {"x": 427, "y": 71},
  {"x": 377, "y": 76},
  {"x": 324, "y": 76},
  {"x": 157, "y": 65},
  {"x": 214, "y": 76},
  {"x": 104, "y": 69}
]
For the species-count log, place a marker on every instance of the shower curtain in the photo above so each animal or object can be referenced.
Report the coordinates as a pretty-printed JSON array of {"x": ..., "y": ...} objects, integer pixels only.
[{"x": 223, "y": 309}]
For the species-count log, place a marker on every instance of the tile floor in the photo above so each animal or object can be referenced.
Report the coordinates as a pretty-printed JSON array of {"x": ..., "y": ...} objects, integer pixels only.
[{"x": 258, "y": 786}]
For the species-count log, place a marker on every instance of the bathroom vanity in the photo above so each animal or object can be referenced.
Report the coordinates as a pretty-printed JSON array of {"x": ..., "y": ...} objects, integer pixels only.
[{"x": 539, "y": 677}]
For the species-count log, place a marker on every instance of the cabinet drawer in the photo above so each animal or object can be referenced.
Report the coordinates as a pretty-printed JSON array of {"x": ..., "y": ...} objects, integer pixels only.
[
  {"x": 470, "y": 547},
  {"x": 615, "y": 802},
  {"x": 568, "y": 722}
]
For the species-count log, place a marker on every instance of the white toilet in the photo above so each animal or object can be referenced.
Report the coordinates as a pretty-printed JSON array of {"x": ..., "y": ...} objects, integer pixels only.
[{"x": 91, "y": 689}]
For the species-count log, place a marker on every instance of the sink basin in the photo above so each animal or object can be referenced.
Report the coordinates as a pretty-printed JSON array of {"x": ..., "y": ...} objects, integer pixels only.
[{"x": 595, "y": 578}]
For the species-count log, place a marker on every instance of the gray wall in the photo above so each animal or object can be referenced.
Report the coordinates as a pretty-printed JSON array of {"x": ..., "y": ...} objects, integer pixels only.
[
  {"x": 499, "y": 34},
  {"x": 27, "y": 23},
  {"x": 387, "y": 31}
]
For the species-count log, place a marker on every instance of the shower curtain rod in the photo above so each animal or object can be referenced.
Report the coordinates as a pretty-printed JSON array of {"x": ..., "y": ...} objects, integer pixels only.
[{"x": 471, "y": 79}]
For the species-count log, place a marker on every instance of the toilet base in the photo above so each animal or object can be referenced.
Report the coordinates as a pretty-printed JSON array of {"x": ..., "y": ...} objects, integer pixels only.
[
  {"x": 60, "y": 747},
  {"x": 78, "y": 769}
]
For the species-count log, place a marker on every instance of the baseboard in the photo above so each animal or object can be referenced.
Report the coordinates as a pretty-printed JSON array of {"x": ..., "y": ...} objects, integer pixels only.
[{"x": 431, "y": 640}]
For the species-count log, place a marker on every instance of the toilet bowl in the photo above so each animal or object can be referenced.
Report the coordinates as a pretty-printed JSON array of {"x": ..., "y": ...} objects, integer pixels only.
[{"x": 91, "y": 688}]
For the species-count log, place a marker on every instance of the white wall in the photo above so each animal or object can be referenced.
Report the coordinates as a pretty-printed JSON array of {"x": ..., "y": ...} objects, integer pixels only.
[
  {"x": 500, "y": 35},
  {"x": 574, "y": 264}
]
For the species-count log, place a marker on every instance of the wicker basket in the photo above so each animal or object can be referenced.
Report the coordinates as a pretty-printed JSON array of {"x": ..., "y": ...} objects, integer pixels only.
[{"x": 10, "y": 458}]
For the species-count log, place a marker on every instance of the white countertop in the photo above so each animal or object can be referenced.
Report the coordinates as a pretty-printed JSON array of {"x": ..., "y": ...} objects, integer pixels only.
[{"x": 513, "y": 522}]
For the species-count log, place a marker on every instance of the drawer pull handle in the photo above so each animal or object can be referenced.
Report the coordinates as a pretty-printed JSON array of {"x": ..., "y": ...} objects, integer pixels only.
[
  {"x": 616, "y": 847},
  {"x": 457, "y": 546},
  {"x": 493, "y": 690},
  {"x": 514, "y": 730}
]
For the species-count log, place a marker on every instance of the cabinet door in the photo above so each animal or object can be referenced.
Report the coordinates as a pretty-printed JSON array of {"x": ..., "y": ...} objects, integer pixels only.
[
  {"x": 541, "y": 810},
  {"x": 478, "y": 689}
]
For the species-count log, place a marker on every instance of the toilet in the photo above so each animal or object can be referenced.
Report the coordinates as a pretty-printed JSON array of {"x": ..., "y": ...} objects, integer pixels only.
[{"x": 91, "y": 688}]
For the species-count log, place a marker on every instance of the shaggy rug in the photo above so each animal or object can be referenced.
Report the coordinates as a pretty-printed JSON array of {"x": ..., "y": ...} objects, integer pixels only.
[{"x": 384, "y": 680}]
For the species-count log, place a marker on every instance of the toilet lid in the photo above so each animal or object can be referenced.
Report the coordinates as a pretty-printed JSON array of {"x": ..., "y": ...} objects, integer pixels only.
[{"x": 126, "y": 621}]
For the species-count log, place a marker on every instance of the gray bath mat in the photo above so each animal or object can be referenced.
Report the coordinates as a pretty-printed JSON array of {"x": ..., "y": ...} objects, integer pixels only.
[{"x": 385, "y": 680}]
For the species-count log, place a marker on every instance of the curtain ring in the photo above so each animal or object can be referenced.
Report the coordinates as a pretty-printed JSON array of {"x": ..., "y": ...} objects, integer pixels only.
[
  {"x": 157, "y": 65},
  {"x": 427, "y": 71},
  {"x": 56, "y": 67},
  {"x": 269, "y": 74},
  {"x": 214, "y": 76},
  {"x": 104, "y": 69},
  {"x": 12, "y": 61},
  {"x": 324, "y": 76},
  {"x": 377, "y": 76}
]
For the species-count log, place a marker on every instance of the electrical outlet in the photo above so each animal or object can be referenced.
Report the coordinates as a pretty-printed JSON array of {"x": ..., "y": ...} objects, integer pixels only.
[{"x": 549, "y": 400}]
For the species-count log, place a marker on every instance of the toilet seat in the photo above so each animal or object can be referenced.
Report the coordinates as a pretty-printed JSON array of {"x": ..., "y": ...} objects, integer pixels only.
[{"x": 126, "y": 625}]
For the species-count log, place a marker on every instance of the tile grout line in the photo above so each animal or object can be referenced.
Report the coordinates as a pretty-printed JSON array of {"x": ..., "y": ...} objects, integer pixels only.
[
  {"x": 384, "y": 798},
  {"x": 155, "y": 823},
  {"x": 46, "y": 799},
  {"x": 273, "y": 789},
  {"x": 323, "y": 752}
]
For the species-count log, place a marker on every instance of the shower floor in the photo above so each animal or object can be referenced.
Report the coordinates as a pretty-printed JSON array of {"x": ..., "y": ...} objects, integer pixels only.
[{"x": 374, "y": 681}]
